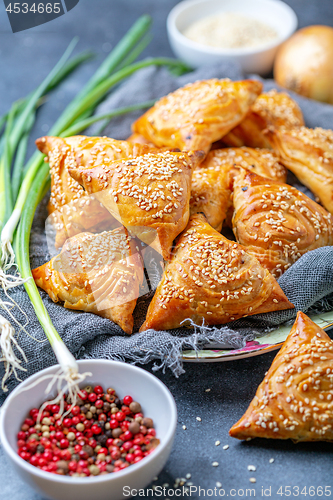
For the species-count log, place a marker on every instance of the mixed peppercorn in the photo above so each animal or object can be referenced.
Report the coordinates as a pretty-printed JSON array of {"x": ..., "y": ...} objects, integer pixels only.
[{"x": 101, "y": 434}]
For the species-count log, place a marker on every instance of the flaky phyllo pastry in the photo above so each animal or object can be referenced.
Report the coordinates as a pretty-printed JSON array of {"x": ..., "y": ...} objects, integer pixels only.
[
  {"x": 149, "y": 194},
  {"x": 97, "y": 273},
  {"x": 195, "y": 116},
  {"x": 211, "y": 280},
  {"x": 308, "y": 153},
  {"x": 295, "y": 399},
  {"x": 276, "y": 222},
  {"x": 211, "y": 191},
  {"x": 271, "y": 109},
  {"x": 73, "y": 211}
]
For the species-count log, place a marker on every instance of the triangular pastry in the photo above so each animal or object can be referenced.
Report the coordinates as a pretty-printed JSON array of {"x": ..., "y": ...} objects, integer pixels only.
[
  {"x": 308, "y": 153},
  {"x": 271, "y": 109},
  {"x": 97, "y": 273},
  {"x": 212, "y": 280},
  {"x": 195, "y": 116},
  {"x": 295, "y": 399},
  {"x": 83, "y": 152},
  {"x": 211, "y": 191},
  {"x": 276, "y": 222},
  {"x": 149, "y": 194}
]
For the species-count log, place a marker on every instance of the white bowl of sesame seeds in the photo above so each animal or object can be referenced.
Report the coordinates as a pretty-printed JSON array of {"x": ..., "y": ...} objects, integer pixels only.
[{"x": 249, "y": 32}]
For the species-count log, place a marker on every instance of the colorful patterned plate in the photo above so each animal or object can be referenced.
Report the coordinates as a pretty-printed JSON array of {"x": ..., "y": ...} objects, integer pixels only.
[{"x": 269, "y": 342}]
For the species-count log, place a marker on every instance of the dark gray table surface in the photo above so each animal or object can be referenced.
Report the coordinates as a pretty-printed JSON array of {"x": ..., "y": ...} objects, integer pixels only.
[{"x": 25, "y": 58}]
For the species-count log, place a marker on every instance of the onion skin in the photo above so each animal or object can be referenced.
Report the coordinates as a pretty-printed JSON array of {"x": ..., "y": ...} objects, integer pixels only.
[{"x": 304, "y": 63}]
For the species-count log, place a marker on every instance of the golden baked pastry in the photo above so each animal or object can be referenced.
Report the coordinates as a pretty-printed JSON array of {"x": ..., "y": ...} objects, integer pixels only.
[
  {"x": 83, "y": 214},
  {"x": 211, "y": 191},
  {"x": 149, "y": 194},
  {"x": 308, "y": 153},
  {"x": 276, "y": 109},
  {"x": 212, "y": 280},
  {"x": 294, "y": 401},
  {"x": 198, "y": 114},
  {"x": 97, "y": 273},
  {"x": 276, "y": 222},
  {"x": 84, "y": 152}
]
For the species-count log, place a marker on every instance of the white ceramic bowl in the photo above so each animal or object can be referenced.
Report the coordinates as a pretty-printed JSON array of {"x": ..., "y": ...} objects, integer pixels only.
[
  {"x": 156, "y": 401},
  {"x": 259, "y": 60}
]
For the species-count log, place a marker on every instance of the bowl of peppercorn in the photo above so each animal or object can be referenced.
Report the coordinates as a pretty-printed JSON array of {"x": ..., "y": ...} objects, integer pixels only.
[{"x": 112, "y": 442}]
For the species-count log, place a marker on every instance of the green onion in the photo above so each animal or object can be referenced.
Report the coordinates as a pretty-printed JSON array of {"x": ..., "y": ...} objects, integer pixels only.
[
  {"x": 83, "y": 124},
  {"x": 22, "y": 239}
]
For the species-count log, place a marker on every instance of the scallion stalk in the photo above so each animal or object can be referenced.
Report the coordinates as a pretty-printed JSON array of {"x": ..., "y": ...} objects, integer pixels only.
[
  {"x": 83, "y": 124},
  {"x": 22, "y": 253}
]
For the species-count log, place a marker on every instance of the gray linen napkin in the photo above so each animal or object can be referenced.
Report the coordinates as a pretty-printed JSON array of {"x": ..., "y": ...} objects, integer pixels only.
[{"x": 308, "y": 284}]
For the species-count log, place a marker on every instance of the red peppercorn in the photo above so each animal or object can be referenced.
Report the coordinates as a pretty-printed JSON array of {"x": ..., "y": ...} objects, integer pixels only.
[
  {"x": 96, "y": 429},
  {"x": 92, "y": 443},
  {"x": 102, "y": 417},
  {"x": 21, "y": 435},
  {"x": 120, "y": 416},
  {"x": 67, "y": 422},
  {"x": 72, "y": 466},
  {"x": 75, "y": 420},
  {"x": 114, "y": 424},
  {"x": 33, "y": 411},
  {"x": 127, "y": 400},
  {"x": 98, "y": 389},
  {"x": 130, "y": 457},
  {"x": 115, "y": 455},
  {"x": 138, "y": 453},
  {"x": 42, "y": 462},
  {"x": 92, "y": 397},
  {"x": 55, "y": 409},
  {"x": 75, "y": 410},
  {"x": 64, "y": 443},
  {"x": 151, "y": 432},
  {"x": 83, "y": 395},
  {"x": 88, "y": 433},
  {"x": 126, "y": 410},
  {"x": 34, "y": 460},
  {"x": 124, "y": 465},
  {"x": 128, "y": 445},
  {"x": 59, "y": 435},
  {"x": 124, "y": 425},
  {"x": 99, "y": 403},
  {"x": 128, "y": 435},
  {"x": 137, "y": 459}
]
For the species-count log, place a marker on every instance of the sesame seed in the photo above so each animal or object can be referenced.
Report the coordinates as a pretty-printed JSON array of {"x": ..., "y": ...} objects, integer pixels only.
[{"x": 215, "y": 464}]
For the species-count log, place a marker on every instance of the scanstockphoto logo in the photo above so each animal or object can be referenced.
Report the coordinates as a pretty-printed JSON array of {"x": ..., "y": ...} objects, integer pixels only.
[{"x": 29, "y": 13}]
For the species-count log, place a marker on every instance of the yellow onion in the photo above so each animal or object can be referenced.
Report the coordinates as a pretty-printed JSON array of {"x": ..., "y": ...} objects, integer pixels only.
[{"x": 304, "y": 63}]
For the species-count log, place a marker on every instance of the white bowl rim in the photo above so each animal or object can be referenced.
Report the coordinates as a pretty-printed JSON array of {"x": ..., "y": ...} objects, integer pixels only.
[
  {"x": 31, "y": 469},
  {"x": 185, "y": 4}
]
